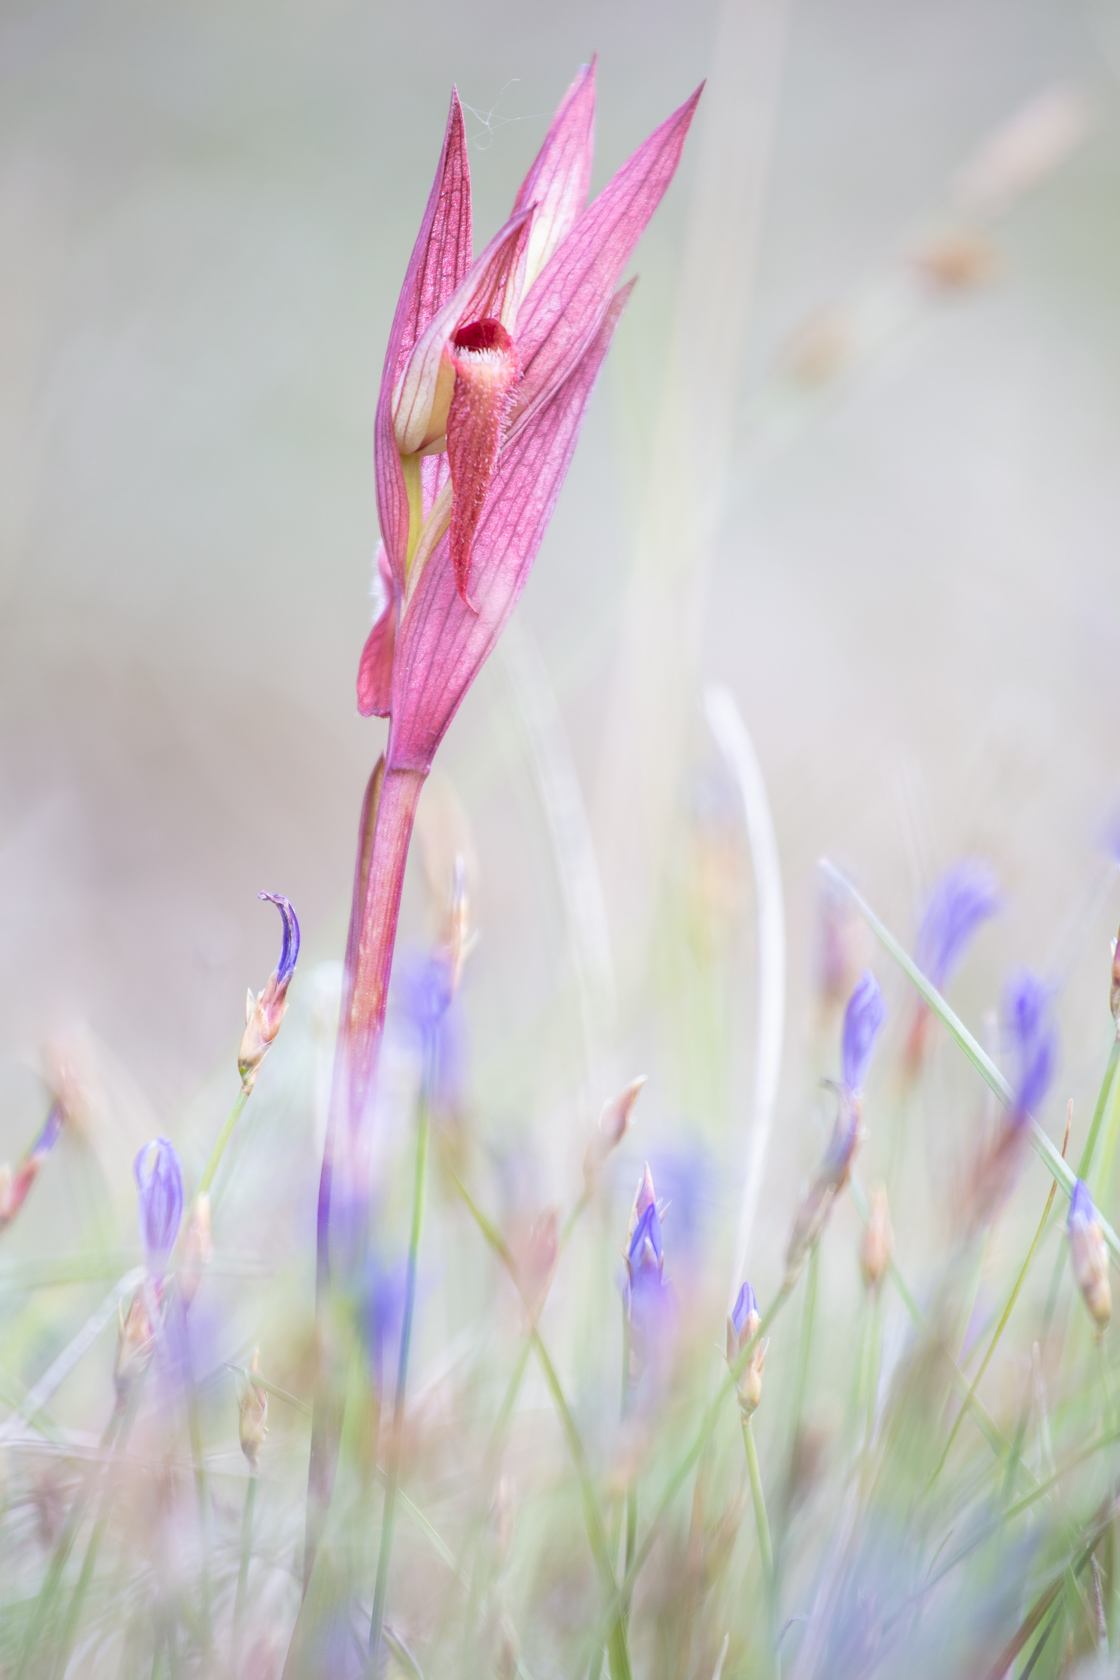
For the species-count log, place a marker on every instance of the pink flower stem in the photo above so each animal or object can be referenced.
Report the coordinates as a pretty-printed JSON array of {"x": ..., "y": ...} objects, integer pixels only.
[{"x": 388, "y": 813}]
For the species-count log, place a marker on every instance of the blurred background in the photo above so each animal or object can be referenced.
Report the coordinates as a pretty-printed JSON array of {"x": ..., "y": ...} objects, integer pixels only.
[{"x": 854, "y": 455}]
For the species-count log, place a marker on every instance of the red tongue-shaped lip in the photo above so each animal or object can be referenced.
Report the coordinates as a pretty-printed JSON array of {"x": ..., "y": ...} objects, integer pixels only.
[
  {"x": 486, "y": 371},
  {"x": 487, "y": 334}
]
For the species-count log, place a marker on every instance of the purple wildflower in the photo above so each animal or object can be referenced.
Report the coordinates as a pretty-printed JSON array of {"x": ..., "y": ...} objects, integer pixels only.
[
  {"x": 863, "y": 1022},
  {"x": 966, "y": 895},
  {"x": 746, "y": 1303},
  {"x": 651, "y": 1304},
  {"x": 743, "y": 1325},
  {"x": 382, "y": 1311},
  {"x": 159, "y": 1180},
  {"x": 1034, "y": 1040},
  {"x": 426, "y": 993}
]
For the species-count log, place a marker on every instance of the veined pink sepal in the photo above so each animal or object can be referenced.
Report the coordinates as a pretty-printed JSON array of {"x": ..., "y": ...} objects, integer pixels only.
[
  {"x": 489, "y": 292},
  {"x": 441, "y": 643},
  {"x": 486, "y": 369},
  {"x": 375, "y": 669},
  {"x": 440, "y": 259},
  {"x": 562, "y": 310},
  {"x": 561, "y": 174}
]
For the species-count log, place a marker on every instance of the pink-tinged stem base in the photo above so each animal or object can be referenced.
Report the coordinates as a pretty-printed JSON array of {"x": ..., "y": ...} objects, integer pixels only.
[{"x": 388, "y": 814}]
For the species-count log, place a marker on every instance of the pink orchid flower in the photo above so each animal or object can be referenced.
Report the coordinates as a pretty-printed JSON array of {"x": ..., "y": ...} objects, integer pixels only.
[
  {"x": 487, "y": 376},
  {"x": 488, "y": 372}
]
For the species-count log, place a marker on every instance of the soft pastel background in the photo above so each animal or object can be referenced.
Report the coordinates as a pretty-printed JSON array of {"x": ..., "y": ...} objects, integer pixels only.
[{"x": 884, "y": 509}]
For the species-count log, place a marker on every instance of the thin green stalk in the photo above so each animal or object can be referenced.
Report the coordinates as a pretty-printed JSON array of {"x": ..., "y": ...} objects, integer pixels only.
[
  {"x": 61, "y": 1554},
  {"x": 246, "y": 1554},
  {"x": 984, "y": 1422},
  {"x": 496, "y": 1448},
  {"x": 389, "y": 1508},
  {"x": 616, "y": 1639},
  {"x": 198, "y": 1459},
  {"x": 1000, "y": 1328},
  {"x": 614, "y": 1629},
  {"x": 1108, "y": 1097},
  {"x": 1106, "y": 1386},
  {"x": 1043, "y": 1639},
  {"x": 1084, "y": 1166},
  {"x": 1102, "y": 1182},
  {"x": 685, "y": 1465},
  {"x": 631, "y": 1528},
  {"x": 596, "y": 1667},
  {"x": 89, "y": 1562},
  {"x": 999, "y": 1524},
  {"x": 224, "y": 1136},
  {"x": 631, "y": 1486},
  {"x": 765, "y": 1549},
  {"x": 874, "y": 1360},
  {"x": 801, "y": 1378}
]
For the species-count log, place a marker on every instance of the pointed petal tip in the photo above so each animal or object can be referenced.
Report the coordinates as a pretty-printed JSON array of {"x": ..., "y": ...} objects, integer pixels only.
[
  {"x": 685, "y": 113},
  {"x": 289, "y": 947}
]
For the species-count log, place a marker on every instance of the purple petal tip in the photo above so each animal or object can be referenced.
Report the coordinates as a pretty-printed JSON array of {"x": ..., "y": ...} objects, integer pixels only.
[{"x": 289, "y": 948}]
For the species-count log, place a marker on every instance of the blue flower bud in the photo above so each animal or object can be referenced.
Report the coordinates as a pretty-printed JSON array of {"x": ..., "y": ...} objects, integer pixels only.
[
  {"x": 159, "y": 1180},
  {"x": 645, "y": 1245},
  {"x": 863, "y": 1021},
  {"x": 746, "y": 1303},
  {"x": 966, "y": 895},
  {"x": 426, "y": 995},
  {"x": 743, "y": 1324},
  {"x": 1034, "y": 1040}
]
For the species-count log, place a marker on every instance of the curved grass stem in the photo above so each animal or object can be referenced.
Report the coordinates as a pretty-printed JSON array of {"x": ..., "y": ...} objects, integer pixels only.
[
  {"x": 246, "y": 1554},
  {"x": 762, "y": 1522}
]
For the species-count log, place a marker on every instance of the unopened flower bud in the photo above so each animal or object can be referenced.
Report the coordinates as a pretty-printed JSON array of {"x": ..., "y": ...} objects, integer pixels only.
[
  {"x": 159, "y": 1182},
  {"x": 135, "y": 1341},
  {"x": 644, "y": 1199},
  {"x": 1089, "y": 1257},
  {"x": 264, "y": 1013},
  {"x": 14, "y": 1186},
  {"x": 877, "y": 1247},
  {"x": 614, "y": 1123},
  {"x": 955, "y": 260},
  {"x": 1114, "y": 989},
  {"x": 198, "y": 1250},
  {"x": 743, "y": 1323},
  {"x": 253, "y": 1419}
]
